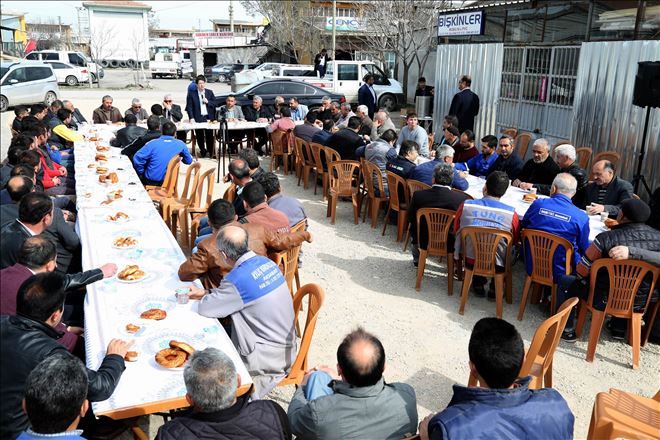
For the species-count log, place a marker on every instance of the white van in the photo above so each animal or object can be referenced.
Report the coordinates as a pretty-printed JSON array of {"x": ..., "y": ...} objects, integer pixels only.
[
  {"x": 25, "y": 83},
  {"x": 64, "y": 56}
]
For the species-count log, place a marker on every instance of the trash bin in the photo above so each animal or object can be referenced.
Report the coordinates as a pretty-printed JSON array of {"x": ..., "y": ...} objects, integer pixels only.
[{"x": 423, "y": 106}]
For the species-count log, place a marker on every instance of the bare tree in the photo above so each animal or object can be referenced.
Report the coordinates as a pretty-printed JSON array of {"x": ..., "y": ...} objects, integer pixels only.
[
  {"x": 294, "y": 30},
  {"x": 99, "y": 47},
  {"x": 138, "y": 44}
]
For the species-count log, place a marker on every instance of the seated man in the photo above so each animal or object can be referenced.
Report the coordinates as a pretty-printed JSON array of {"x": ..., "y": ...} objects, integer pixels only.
[
  {"x": 354, "y": 402},
  {"x": 106, "y": 112},
  {"x": 20, "y": 111},
  {"x": 404, "y": 163},
  {"x": 258, "y": 112},
  {"x": 125, "y": 136},
  {"x": 255, "y": 294},
  {"x": 323, "y": 136},
  {"x": 607, "y": 191},
  {"x": 298, "y": 110},
  {"x": 62, "y": 135},
  {"x": 35, "y": 214},
  {"x": 366, "y": 124},
  {"x": 290, "y": 206},
  {"x": 443, "y": 154},
  {"x": 136, "y": 110},
  {"x": 151, "y": 161},
  {"x": 439, "y": 195},
  {"x": 77, "y": 119},
  {"x": 283, "y": 123},
  {"x": 309, "y": 128},
  {"x": 258, "y": 211},
  {"x": 565, "y": 158},
  {"x": 540, "y": 169},
  {"x": 487, "y": 212},
  {"x": 382, "y": 123},
  {"x": 207, "y": 264},
  {"x": 31, "y": 336},
  {"x": 503, "y": 406},
  {"x": 379, "y": 152},
  {"x": 557, "y": 215},
  {"x": 507, "y": 160},
  {"x": 153, "y": 132},
  {"x": 465, "y": 148},
  {"x": 251, "y": 157},
  {"x": 347, "y": 140},
  {"x": 631, "y": 231},
  {"x": 38, "y": 255},
  {"x": 56, "y": 398},
  {"x": 345, "y": 113},
  {"x": 413, "y": 132},
  {"x": 215, "y": 411},
  {"x": 157, "y": 110},
  {"x": 478, "y": 165}
]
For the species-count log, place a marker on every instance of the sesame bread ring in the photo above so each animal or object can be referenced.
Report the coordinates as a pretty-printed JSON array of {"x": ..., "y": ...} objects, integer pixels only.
[
  {"x": 170, "y": 358},
  {"x": 183, "y": 347}
]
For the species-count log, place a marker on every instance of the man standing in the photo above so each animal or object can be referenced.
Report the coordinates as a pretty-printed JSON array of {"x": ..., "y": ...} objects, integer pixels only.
[
  {"x": 367, "y": 94},
  {"x": 298, "y": 110},
  {"x": 321, "y": 63},
  {"x": 354, "y": 402},
  {"x": 422, "y": 89},
  {"x": 465, "y": 105},
  {"x": 382, "y": 123},
  {"x": 215, "y": 411},
  {"x": 256, "y": 296},
  {"x": 557, "y": 215},
  {"x": 607, "y": 191},
  {"x": 128, "y": 134},
  {"x": 439, "y": 195},
  {"x": 200, "y": 106},
  {"x": 346, "y": 114},
  {"x": 347, "y": 140},
  {"x": 565, "y": 159},
  {"x": 540, "y": 169},
  {"x": 413, "y": 132},
  {"x": 137, "y": 110},
  {"x": 151, "y": 161},
  {"x": 443, "y": 154},
  {"x": 507, "y": 161},
  {"x": 106, "y": 112}
]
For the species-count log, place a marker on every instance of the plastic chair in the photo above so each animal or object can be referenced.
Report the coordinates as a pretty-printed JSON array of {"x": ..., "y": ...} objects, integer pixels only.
[
  {"x": 170, "y": 206},
  {"x": 468, "y": 196},
  {"x": 298, "y": 158},
  {"x": 484, "y": 243},
  {"x": 331, "y": 155},
  {"x": 316, "y": 296},
  {"x": 522, "y": 143},
  {"x": 513, "y": 132},
  {"x": 318, "y": 154},
  {"x": 190, "y": 215},
  {"x": 583, "y": 156},
  {"x": 625, "y": 277},
  {"x": 298, "y": 227},
  {"x": 308, "y": 165},
  {"x": 539, "y": 355},
  {"x": 438, "y": 223},
  {"x": 542, "y": 248},
  {"x": 343, "y": 184},
  {"x": 230, "y": 193},
  {"x": 612, "y": 156},
  {"x": 282, "y": 146},
  {"x": 170, "y": 183},
  {"x": 413, "y": 186},
  {"x": 648, "y": 326},
  {"x": 373, "y": 179},
  {"x": 395, "y": 183},
  {"x": 561, "y": 142},
  {"x": 619, "y": 414},
  {"x": 287, "y": 261}
]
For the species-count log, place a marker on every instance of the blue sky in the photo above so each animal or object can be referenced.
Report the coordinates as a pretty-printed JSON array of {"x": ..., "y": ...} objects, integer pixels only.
[{"x": 172, "y": 14}]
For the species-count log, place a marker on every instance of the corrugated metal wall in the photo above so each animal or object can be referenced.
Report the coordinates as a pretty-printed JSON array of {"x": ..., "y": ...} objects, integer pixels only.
[
  {"x": 604, "y": 117},
  {"x": 483, "y": 62}
]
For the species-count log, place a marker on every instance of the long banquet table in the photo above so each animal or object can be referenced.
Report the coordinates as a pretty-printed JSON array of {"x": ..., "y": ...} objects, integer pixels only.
[{"x": 145, "y": 387}]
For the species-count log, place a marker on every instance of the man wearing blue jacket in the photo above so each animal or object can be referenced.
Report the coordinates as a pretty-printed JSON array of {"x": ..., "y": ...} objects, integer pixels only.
[
  {"x": 479, "y": 164},
  {"x": 151, "y": 161},
  {"x": 443, "y": 154}
]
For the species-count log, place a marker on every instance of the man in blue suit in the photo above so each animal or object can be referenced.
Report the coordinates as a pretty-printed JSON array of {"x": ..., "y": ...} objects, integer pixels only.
[
  {"x": 200, "y": 106},
  {"x": 367, "y": 94}
]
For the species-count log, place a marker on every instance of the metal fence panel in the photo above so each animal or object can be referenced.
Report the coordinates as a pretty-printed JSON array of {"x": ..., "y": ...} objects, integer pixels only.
[
  {"x": 483, "y": 62},
  {"x": 604, "y": 117}
]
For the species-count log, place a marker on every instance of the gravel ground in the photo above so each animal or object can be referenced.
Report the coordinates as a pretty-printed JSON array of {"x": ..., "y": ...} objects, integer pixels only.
[{"x": 369, "y": 281}]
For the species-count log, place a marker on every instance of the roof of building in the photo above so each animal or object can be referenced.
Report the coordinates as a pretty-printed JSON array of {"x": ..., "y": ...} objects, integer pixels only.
[{"x": 120, "y": 4}]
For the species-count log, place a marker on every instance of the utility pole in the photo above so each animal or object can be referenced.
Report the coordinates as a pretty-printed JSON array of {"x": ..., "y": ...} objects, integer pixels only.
[
  {"x": 231, "y": 16},
  {"x": 334, "y": 28}
]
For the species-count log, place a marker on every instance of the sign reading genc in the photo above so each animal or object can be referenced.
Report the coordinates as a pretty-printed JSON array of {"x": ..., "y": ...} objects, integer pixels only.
[{"x": 465, "y": 23}]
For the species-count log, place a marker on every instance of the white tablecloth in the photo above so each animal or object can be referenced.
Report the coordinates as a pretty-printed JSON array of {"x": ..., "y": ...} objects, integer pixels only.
[
  {"x": 180, "y": 126},
  {"x": 112, "y": 304}
]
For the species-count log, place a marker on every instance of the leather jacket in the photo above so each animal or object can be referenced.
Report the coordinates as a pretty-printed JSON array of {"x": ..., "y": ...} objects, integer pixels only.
[
  {"x": 26, "y": 342},
  {"x": 127, "y": 135}
]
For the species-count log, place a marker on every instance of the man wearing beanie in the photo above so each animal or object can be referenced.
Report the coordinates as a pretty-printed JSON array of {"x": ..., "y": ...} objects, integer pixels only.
[{"x": 630, "y": 231}]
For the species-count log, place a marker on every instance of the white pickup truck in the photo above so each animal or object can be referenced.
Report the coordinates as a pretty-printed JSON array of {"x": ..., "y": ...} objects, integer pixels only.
[
  {"x": 346, "y": 77},
  {"x": 169, "y": 64}
]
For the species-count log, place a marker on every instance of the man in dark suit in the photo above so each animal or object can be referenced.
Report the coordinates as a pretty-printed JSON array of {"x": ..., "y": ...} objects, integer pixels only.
[
  {"x": 128, "y": 134},
  {"x": 257, "y": 112},
  {"x": 77, "y": 118},
  {"x": 367, "y": 94},
  {"x": 153, "y": 132},
  {"x": 200, "y": 106},
  {"x": 347, "y": 140},
  {"x": 171, "y": 111},
  {"x": 465, "y": 105},
  {"x": 439, "y": 196},
  {"x": 35, "y": 214}
]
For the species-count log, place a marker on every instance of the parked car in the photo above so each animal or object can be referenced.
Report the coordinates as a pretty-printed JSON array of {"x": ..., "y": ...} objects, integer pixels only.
[
  {"x": 268, "y": 89},
  {"x": 64, "y": 56},
  {"x": 265, "y": 70},
  {"x": 26, "y": 83},
  {"x": 69, "y": 74},
  {"x": 224, "y": 72},
  {"x": 167, "y": 64},
  {"x": 288, "y": 70}
]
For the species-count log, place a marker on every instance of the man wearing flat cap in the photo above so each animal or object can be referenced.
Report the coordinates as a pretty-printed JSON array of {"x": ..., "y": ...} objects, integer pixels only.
[{"x": 631, "y": 231}]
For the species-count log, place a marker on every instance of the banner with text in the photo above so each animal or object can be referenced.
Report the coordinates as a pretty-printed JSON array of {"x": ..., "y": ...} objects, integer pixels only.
[{"x": 461, "y": 24}]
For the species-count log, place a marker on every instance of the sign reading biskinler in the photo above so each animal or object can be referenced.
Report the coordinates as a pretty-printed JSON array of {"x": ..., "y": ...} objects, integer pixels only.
[{"x": 461, "y": 24}]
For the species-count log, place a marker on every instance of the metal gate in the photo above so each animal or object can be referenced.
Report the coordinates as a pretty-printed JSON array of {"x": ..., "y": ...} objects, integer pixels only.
[{"x": 538, "y": 88}]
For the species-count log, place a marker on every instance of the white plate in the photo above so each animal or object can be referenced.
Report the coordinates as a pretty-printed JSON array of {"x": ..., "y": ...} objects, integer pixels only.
[
  {"x": 154, "y": 302},
  {"x": 145, "y": 277},
  {"x": 142, "y": 323}
]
